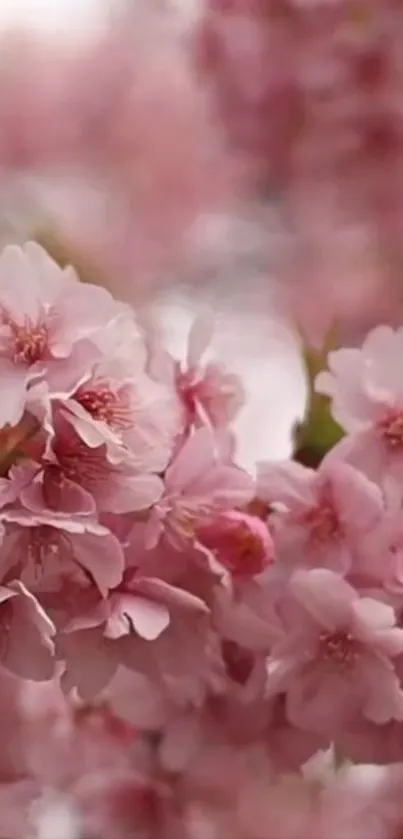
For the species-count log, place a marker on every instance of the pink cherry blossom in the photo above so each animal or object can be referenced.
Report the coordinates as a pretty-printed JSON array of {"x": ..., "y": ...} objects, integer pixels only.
[
  {"x": 47, "y": 317},
  {"x": 199, "y": 483},
  {"x": 336, "y": 657},
  {"x": 26, "y": 645},
  {"x": 133, "y": 415},
  {"x": 210, "y": 393},
  {"x": 321, "y": 517},
  {"x": 366, "y": 390},
  {"x": 42, "y": 487},
  {"x": 42, "y": 549},
  {"x": 72, "y": 478}
]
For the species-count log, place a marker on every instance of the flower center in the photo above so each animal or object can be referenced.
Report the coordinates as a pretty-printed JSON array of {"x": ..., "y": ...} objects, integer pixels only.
[
  {"x": 53, "y": 485},
  {"x": 339, "y": 648},
  {"x": 322, "y": 522},
  {"x": 105, "y": 405},
  {"x": 390, "y": 428},
  {"x": 188, "y": 385},
  {"x": 29, "y": 342},
  {"x": 44, "y": 543},
  {"x": 248, "y": 552},
  {"x": 81, "y": 464}
]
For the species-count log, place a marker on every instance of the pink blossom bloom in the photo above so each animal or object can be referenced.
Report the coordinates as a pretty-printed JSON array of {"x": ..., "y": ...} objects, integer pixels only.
[
  {"x": 199, "y": 483},
  {"x": 47, "y": 317},
  {"x": 335, "y": 660},
  {"x": 72, "y": 478},
  {"x": 133, "y": 415},
  {"x": 26, "y": 646},
  {"x": 240, "y": 542},
  {"x": 42, "y": 549},
  {"x": 322, "y": 516},
  {"x": 41, "y": 487},
  {"x": 210, "y": 393},
  {"x": 366, "y": 390}
]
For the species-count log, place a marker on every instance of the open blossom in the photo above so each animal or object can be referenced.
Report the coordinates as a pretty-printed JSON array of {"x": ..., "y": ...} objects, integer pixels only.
[
  {"x": 26, "y": 633},
  {"x": 321, "y": 518},
  {"x": 366, "y": 389},
  {"x": 335, "y": 661},
  {"x": 47, "y": 318},
  {"x": 200, "y": 482},
  {"x": 210, "y": 393},
  {"x": 71, "y": 478},
  {"x": 127, "y": 411},
  {"x": 41, "y": 549}
]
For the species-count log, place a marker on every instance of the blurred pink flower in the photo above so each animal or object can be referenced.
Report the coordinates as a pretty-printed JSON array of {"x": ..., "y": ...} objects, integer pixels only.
[
  {"x": 119, "y": 137},
  {"x": 335, "y": 660},
  {"x": 310, "y": 97}
]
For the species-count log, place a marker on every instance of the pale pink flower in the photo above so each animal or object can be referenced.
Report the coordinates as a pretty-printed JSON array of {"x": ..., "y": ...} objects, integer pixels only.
[
  {"x": 321, "y": 517},
  {"x": 210, "y": 393},
  {"x": 336, "y": 658},
  {"x": 200, "y": 482},
  {"x": 47, "y": 317},
  {"x": 26, "y": 646},
  {"x": 133, "y": 415},
  {"x": 366, "y": 389},
  {"x": 41, "y": 487},
  {"x": 240, "y": 542},
  {"x": 41, "y": 549},
  {"x": 72, "y": 478}
]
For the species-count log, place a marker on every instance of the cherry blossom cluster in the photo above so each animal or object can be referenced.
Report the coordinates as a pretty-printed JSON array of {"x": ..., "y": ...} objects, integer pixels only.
[{"x": 187, "y": 649}]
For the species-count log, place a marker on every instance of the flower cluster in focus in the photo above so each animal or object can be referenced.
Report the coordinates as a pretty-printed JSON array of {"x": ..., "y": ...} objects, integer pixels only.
[{"x": 175, "y": 632}]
